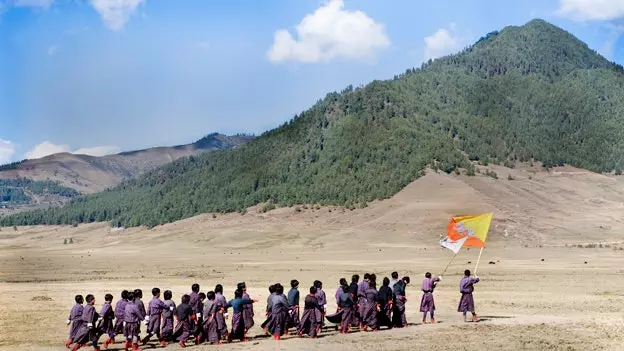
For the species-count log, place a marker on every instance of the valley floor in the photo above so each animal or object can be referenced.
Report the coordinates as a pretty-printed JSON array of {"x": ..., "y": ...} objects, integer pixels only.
[{"x": 540, "y": 293}]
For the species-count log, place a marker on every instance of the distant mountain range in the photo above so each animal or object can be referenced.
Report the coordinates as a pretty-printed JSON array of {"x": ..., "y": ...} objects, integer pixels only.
[{"x": 89, "y": 174}]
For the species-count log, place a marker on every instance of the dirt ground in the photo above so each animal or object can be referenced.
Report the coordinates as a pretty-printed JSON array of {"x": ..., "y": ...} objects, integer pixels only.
[{"x": 542, "y": 291}]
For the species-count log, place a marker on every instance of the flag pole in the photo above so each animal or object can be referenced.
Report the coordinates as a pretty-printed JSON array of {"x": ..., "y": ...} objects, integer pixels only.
[
  {"x": 447, "y": 265},
  {"x": 478, "y": 260}
]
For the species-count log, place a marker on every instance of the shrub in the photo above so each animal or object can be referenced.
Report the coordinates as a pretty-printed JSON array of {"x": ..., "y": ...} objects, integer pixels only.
[{"x": 268, "y": 206}]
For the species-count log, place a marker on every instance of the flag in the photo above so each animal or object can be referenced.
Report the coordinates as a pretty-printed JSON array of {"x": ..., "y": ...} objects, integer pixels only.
[
  {"x": 454, "y": 246},
  {"x": 473, "y": 228}
]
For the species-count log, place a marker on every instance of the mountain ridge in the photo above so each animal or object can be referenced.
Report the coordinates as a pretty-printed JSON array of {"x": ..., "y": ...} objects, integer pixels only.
[
  {"x": 91, "y": 174},
  {"x": 524, "y": 94}
]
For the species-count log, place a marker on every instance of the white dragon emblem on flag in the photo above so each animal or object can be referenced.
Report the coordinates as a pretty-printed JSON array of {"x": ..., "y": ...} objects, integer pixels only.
[{"x": 464, "y": 230}]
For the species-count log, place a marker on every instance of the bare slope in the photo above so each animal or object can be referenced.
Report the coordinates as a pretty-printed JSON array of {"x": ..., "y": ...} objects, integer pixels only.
[{"x": 89, "y": 174}]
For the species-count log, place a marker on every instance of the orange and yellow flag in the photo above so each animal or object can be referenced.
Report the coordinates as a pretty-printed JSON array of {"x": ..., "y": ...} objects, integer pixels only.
[{"x": 475, "y": 228}]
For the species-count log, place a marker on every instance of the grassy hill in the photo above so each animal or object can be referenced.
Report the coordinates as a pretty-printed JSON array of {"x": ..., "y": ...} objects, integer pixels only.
[{"x": 525, "y": 93}]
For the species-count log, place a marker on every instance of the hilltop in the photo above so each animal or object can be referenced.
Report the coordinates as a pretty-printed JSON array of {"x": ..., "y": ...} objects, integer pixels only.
[
  {"x": 524, "y": 94},
  {"x": 63, "y": 176}
]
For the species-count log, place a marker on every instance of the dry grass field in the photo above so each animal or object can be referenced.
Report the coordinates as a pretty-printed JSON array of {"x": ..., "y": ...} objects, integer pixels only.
[{"x": 556, "y": 282}]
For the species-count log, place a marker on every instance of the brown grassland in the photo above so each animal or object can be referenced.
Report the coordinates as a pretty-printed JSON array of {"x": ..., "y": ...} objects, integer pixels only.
[{"x": 555, "y": 282}]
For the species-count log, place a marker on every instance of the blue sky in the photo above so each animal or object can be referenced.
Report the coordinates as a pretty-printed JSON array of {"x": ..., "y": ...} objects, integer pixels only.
[{"x": 100, "y": 76}]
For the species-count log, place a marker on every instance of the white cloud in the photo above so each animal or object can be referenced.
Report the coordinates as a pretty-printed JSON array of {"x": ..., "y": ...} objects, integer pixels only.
[
  {"x": 98, "y": 151},
  {"x": 7, "y": 150},
  {"x": 441, "y": 43},
  {"x": 33, "y": 3},
  {"x": 583, "y": 10},
  {"x": 116, "y": 13},
  {"x": 45, "y": 149},
  {"x": 52, "y": 50},
  {"x": 328, "y": 33}
]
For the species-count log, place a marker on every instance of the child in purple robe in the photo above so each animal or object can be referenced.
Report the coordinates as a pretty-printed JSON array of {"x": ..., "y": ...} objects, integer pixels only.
[
  {"x": 267, "y": 325},
  {"x": 361, "y": 300},
  {"x": 385, "y": 303},
  {"x": 322, "y": 299},
  {"x": 120, "y": 307},
  {"x": 310, "y": 323},
  {"x": 342, "y": 283},
  {"x": 466, "y": 303},
  {"x": 248, "y": 312},
  {"x": 199, "y": 328},
  {"x": 74, "y": 319},
  {"x": 154, "y": 314},
  {"x": 347, "y": 307},
  {"x": 195, "y": 303},
  {"x": 369, "y": 318},
  {"x": 184, "y": 314},
  {"x": 222, "y": 315},
  {"x": 293, "y": 301},
  {"x": 167, "y": 314},
  {"x": 279, "y": 312},
  {"x": 138, "y": 300},
  {"x": 87, "y": 332},
  {"x": 427, "y": 305},
  {"x": 132, "y": 320},
  {"x": 398, "y": 316},
  {"x": 238, "y": 324},
  {"x": 106, "y": 326},
  {"x": 210, "y": 323}
]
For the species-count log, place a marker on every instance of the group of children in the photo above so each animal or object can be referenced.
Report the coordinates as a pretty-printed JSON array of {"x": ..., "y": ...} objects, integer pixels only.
[{"x": 202, "y": 317}]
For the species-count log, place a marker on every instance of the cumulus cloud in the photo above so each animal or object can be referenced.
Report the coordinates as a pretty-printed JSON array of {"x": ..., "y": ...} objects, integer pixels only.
[
  {"x": 7, "y": 150},
  {"x": 33, "y": 3},
  {"x": 45, "y": 149},
  {"x": 441, "y": 43},
  {"x": 328, "y": 33},
  {"x": 98, "y": 150},
  {"x": 583, "y": 10},
  {"x": 116, "y": 13}
]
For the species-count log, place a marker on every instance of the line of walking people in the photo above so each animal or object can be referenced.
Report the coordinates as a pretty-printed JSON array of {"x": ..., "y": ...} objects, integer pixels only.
[{"x": 202, "y": 317}]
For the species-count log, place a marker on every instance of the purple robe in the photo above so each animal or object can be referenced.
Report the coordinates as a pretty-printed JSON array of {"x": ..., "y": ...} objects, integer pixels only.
[
  {"x": 466, "y": 287},
  {"x": 369, "y": 315},
  {"x": 87, "y": 331},
  {"x": 248, "y": 313},
  {"x": 106, "y": 325},
  {"x": 337, "y": 295},
  {"x": 238, "y": 326},
  {"x": 427, "y": 304},
  {"x": 75, "y": 317},
  {"x": 220, "y": 303},
  {"x": 167, "y": 322},
  {"x": 322, "y": 301},
  {"x": 361, "y": 301},
  {"x": 293, "y": 317},
  {"x": 310, "y": 323},
  {"x": 133, "y": 318},
  {"x": 182, "y": 329},
  {"x": 154, "y": 310},
  {"x": 142, "y": 313},
  {"x": 279, "y": 314},
  {"x": 120, "y": 308},
  {"x": 210, "y": 322}
]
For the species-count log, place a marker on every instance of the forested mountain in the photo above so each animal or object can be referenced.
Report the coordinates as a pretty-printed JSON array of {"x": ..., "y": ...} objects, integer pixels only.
[
  {"x": 530, "y": 92},
  {"x": 63, "y": 176}
]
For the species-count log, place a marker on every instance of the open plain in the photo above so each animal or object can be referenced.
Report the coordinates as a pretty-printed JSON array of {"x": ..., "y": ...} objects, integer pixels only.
[{"x": 552, "y": 273}]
